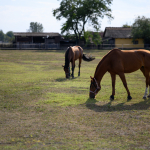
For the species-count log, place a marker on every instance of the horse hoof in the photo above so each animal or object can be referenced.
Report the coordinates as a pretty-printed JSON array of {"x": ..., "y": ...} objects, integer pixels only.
[
  {"x": 144, "y": 97},
  {"x": 111, "y": 97},
  {"x": 129, "y": 98}
]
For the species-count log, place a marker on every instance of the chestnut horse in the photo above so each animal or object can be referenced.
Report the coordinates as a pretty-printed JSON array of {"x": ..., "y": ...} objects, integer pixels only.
[
  {"x": 71, "y": 55},
  {"x": 119, "y": 62}
]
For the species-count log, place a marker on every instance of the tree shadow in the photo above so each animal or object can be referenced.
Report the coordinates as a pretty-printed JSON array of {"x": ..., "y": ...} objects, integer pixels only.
[{"x": 91, "y": 104}]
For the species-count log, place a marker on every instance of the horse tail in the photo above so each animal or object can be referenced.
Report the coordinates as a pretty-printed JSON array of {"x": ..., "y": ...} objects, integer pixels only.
[{"x": 87, "y": 58}]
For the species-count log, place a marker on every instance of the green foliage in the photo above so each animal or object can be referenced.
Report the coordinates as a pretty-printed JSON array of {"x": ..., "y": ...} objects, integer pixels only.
[
  {"x": 1, "y": 35},
  {"x": 141, "y": 29},
  {"x": 92, "y": 37},
  {"x": 88, "y": 37},
  {"x": 9, "y": 37},
  {"x": 77, "y": 13},
  {"x": 10, "y": 34},
  {"x": 35, "y": 27},
  {"x": 126, "y": 26}
]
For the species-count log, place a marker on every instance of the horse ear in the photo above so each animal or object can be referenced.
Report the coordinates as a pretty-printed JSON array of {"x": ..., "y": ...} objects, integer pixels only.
[{"x": 91, "y": 77}]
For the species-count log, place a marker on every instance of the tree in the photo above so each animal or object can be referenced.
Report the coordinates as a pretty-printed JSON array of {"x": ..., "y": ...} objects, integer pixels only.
[
  {"x": 1, "y": 35},
  {"x": 79, "y": 12},
  {"x": 9, "y": 37},
  {"x": 10, "y": 34},
  {"x": 92, "y": 37},
  {"x": 126, "y": 26},
  {"x": 35, "y": 27},
  {"x": 141, "y": 29}
]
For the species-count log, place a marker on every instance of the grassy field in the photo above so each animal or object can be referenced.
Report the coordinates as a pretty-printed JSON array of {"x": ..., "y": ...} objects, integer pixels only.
[{"x": 40, "y": 109}]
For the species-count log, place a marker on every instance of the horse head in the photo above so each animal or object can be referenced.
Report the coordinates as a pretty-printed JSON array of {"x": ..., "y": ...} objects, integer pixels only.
[
  {"x": 94, "y": 88},
  {"x": 67, "y": 71}
]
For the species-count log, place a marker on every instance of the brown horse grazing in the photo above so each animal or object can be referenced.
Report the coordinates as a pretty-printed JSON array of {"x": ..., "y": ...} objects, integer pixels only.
[
  {"x": 120, "y": 62},
  {"x": 71, "y": 55}
]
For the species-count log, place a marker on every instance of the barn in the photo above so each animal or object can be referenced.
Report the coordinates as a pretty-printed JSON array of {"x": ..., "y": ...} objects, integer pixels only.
[
  {"x": 121, "y": 38},
  {"x": 37, "y": 40}
]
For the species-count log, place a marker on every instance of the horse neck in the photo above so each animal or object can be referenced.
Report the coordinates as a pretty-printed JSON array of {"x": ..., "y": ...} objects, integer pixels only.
[
  {"x": 67, "y": 58},
  {"x": 100, "y": 71}
]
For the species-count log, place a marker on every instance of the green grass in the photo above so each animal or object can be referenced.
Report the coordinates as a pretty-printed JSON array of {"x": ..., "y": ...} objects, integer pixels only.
[{"x": 40, "y": 109}]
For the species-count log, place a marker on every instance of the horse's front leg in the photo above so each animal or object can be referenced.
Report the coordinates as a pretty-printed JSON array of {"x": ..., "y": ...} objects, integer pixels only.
[
  {"x": 73, "y": 67},
  {"x": 113, "y": 78},
  {"x": 122, "y": 76}
]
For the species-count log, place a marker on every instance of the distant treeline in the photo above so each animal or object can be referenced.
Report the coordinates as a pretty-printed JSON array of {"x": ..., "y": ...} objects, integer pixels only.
[{"x": 8, "y": 37}]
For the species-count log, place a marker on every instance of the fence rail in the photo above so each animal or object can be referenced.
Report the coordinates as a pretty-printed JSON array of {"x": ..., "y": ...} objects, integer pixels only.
[{"x": 58, "y": 46}]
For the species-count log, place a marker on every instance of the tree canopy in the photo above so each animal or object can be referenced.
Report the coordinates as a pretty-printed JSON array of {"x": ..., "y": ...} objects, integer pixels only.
[
  {"x": 1, "y": 35},
  {"x": 78, "y": 12},
  {"x": 92, "y": 37},
  {"x": 8, "y": 37},
  {"x": 10, "y": 34},
  {"x": 141, "y": 29},
  {"x": 126, "y": 26},
  {"x": 35, "y": 27}
]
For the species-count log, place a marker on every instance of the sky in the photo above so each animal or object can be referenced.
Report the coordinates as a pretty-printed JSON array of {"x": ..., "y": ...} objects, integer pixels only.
[{"x": 16, "y": 15}]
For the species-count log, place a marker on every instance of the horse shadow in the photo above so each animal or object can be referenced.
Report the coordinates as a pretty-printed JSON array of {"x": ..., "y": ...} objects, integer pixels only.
[
  {"x": 91, "y": 104},
  {"x": 65, "y": 79}
]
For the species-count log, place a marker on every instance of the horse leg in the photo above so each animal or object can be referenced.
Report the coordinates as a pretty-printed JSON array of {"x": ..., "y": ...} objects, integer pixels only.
[
  {"x": 122, "y": 76},
  {"x": 113, "y": 78},
  {"x": 69, "y": 71},
  {"x": 146, "y": 74},
  {"x": 79, "y": 66},
  {"x": 73, "y": 66}
]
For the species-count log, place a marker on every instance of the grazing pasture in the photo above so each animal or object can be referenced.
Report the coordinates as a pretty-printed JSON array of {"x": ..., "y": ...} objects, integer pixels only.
[{"x": 41, "y": 109}]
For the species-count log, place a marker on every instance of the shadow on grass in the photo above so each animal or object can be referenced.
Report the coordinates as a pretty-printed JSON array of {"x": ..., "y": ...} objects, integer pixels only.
[
  {"x": 51, "y": 51},
  {"x": 64, "y": 79},
  {"x": 91, "y": 104}
]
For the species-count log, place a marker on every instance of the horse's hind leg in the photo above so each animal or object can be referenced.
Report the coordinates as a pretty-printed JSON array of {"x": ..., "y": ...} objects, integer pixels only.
[
  {"x": 79, "y": 66},
  {"x": 122, "y": 76},
  {"x": 146, "y": 74}
]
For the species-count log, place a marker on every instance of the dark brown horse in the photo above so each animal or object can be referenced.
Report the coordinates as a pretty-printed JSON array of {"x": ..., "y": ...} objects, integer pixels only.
[
  {"x": 71, "y": 55},
  {"x": 120, "y": 62}
]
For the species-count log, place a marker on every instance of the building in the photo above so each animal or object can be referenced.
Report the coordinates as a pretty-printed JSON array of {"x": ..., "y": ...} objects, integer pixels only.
[
  {"x": 30, "y": 38},
  {"x": 37, "y": 40},
  {"x": 121, "y": 37}
]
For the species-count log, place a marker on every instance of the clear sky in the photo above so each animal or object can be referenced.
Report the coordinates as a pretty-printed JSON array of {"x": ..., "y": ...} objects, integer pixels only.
[{"x": 16, "y": 15}]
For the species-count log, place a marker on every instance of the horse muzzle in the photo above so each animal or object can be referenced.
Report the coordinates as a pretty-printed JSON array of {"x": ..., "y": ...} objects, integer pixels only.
[{"x": 91, "y": 95}]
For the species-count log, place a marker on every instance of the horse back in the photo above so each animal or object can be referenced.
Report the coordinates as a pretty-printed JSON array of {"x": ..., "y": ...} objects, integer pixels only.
[
  {"x": 128, "y": 60},
  {"x": 77, "y": 52}
]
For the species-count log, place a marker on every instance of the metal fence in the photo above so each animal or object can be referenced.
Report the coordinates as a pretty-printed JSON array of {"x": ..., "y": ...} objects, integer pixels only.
[{"x": 8, "y": 46}]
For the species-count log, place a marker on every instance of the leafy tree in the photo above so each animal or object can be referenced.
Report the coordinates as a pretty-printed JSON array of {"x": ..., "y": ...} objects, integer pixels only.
[
  {"x": 10, "y": 34},
  {"x": 9, "y": 37},
  {"x": 92, "y": 37},
  {"x": 141, "y": 29},
  {"x": 35, "y": 27},
  {"x": 126, "y": 26},
  {"x": 88, "y": 37},
  {"x": 1, "y": 35},
  {"x": 79, "y": 12}
]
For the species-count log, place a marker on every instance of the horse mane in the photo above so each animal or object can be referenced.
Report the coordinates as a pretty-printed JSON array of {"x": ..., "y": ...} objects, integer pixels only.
[
  {"x": 105, "y": 57},
  {"x": 66, "y": 57}
]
